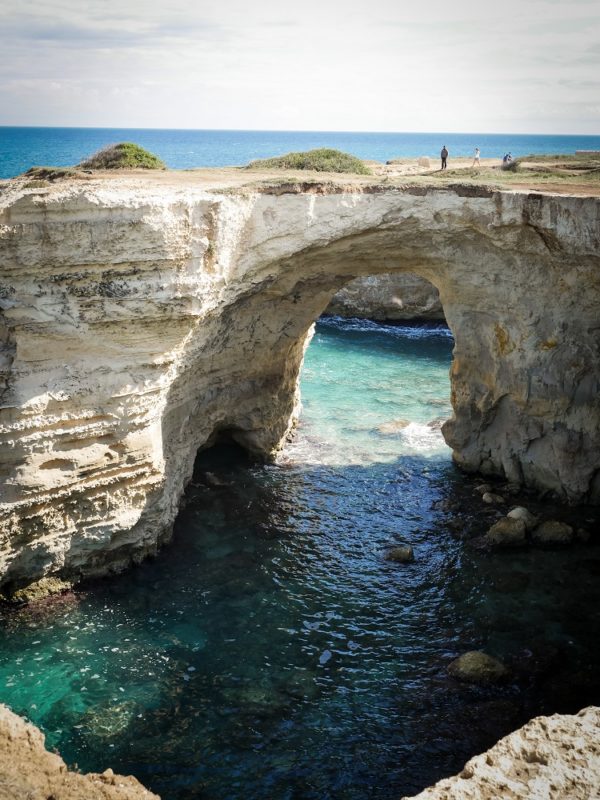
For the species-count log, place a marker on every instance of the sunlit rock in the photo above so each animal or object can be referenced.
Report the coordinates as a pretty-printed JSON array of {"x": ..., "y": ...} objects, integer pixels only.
[
  {"x": 477, "y": 667},
  {"x": 552, "y": 758},
  {"x": 28, "y": 770}
]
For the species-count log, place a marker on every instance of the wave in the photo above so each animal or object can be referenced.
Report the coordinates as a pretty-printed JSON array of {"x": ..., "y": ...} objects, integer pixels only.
[{"x": 405, "y": 330}]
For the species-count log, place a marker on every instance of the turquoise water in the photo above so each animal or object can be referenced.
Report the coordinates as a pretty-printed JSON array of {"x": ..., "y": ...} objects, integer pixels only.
[
  {"x": 270, "y": 651},
  {"x": 22, "y": 148}
]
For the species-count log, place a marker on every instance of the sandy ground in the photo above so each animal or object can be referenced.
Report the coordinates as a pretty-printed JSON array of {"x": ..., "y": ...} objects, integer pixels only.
[{"x": 402, "y": 172}]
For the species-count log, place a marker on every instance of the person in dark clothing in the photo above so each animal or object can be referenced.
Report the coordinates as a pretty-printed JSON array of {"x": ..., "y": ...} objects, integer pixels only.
[{"x": 444, "y": 155}]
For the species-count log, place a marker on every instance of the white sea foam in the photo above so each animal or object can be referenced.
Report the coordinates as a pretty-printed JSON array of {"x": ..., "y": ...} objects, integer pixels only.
[{"x": 421, "y": 438}]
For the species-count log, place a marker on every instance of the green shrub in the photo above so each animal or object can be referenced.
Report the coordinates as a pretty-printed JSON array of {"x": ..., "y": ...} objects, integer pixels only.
[
  {"x": 321, "y": 160},
  {"x": 125, "y": 155}
]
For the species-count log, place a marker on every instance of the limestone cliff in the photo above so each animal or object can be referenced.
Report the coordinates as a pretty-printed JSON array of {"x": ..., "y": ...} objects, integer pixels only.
[
  {"x": 29, "y": 772},
  {"x": 388, "y": 297},
  {"x": 142, "y": 318},
  {"x": 550, "y": 758}
]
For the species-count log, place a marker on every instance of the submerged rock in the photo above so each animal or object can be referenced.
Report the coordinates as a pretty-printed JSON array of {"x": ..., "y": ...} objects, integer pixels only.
[
  {"x": 28, "y": 770},
  {"x": 477, "y": 667},
  {"x": 402, "y": 554},
  {"x": 553, "y": 532},
  {"x": 507, "y": 532},
  {"x": 394, "y": 426}
]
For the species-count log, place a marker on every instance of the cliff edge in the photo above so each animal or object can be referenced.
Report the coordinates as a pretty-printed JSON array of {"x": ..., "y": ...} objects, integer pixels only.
[
  {"x": 550, "y": 758},
  {"x": 29, "y": 772}
]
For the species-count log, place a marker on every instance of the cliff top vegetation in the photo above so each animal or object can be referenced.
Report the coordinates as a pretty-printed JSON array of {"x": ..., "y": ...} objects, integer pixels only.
[
  {"x": 322, "y": 159},
  {"x": 125, "y": 155}
]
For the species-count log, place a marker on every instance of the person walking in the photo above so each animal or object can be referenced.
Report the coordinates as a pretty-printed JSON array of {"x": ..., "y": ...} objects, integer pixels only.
[
  {"x": 444, "y": 156},
  {"x": 476, "y": 161}
]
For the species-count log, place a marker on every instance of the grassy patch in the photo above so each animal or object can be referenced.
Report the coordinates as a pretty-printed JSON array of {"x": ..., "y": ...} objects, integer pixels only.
[
  {"x": 321, "y": 160},
  {"x": 125, "y": 155}
]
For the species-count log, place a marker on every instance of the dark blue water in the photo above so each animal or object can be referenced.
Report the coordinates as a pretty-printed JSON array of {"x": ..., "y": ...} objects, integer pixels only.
[
  {"x": 271, "y": 651},
  {"x": 21, "y": 148}
]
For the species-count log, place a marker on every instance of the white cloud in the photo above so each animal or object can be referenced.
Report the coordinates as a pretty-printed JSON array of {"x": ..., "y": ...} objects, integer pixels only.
[{"x": 324, "y": 64}]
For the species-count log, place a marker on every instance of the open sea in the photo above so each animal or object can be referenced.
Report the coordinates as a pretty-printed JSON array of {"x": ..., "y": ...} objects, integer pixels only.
[
  {"x": 22, "y": 148},
  {"x": 271, "y": 650}
]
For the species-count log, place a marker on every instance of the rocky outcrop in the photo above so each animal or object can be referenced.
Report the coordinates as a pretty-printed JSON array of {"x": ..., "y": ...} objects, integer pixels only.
[
  {"x": 550, "y": 758},
  {"x": 388, "y": 297},
  {"x": 143, "y": 318},
  {"x": 29, "y": 772}
]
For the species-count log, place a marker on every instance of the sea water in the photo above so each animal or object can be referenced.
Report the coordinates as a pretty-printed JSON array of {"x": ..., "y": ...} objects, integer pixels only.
[
  {"x": 22, "y": 148},
  {"x": 271, "y": 650}
]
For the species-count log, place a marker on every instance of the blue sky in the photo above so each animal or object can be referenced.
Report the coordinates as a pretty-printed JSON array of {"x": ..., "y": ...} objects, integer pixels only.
[{"x": 531, "y": 66}]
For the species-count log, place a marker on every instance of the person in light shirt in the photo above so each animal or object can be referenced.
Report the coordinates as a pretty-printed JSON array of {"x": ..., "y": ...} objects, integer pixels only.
[{"x": 476, "y": 161}]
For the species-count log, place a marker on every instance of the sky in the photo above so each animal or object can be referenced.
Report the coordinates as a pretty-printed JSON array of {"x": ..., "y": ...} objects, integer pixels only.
[{"x": 526, "y": 66}]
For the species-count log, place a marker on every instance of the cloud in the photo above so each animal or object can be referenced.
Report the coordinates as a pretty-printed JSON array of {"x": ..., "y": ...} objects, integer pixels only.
[{"x": 355, "y": 64}]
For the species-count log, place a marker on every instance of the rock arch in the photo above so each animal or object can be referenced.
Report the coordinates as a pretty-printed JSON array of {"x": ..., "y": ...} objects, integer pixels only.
[{"x": 143, "y": 318}]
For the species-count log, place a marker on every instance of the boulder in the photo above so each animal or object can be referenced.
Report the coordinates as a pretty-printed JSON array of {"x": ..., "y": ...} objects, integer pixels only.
[
  {"x": 425, "y": 161},
  {"x": 402, "y": 554},
  {"x": 507, "y": 532},
  {"x": 492, "y": 499},
  {"x": 477, "y": 667},
  {"x": 553, "y": 532},
  {"x": 526, "y": 516}
]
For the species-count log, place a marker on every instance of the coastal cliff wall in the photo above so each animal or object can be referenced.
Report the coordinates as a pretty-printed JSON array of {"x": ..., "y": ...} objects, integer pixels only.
[
  {"x": 395, "y": 297},
  {"x": 140, "y": 321}
]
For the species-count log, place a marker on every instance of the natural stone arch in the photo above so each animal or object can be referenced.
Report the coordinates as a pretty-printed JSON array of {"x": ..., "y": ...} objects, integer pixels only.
[{"x": 144, "y": 320}]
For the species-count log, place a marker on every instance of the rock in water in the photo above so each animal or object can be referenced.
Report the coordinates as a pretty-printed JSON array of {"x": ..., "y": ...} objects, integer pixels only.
[
  {"x": 394, "y": 426},
  {"x": 402, "y": 554},
  {"x": 477, "y": 667},
  {"x": 526, "y": 516},
  {"x": 28, "y": 770},
  {"x": 507, "y": 532},
  {"x": 492, "y": 499},
  {"x": 553, "y": 532}
]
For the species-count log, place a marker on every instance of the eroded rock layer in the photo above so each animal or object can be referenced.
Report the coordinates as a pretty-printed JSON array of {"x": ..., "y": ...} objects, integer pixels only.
[
  {"x": 141, "y": 320},
  {"x": 550, "y": 758}
]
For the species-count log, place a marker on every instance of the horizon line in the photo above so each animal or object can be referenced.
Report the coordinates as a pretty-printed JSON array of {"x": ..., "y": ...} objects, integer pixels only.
[{"x": 290, "y": 130}]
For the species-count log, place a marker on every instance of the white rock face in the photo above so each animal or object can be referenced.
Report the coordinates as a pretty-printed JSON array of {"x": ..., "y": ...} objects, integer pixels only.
[
  {"x": 388, "y": 297},
  {"x": 550, "y": 758},
  {"x": 142, "y": 319}
]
